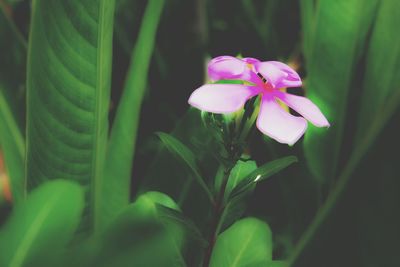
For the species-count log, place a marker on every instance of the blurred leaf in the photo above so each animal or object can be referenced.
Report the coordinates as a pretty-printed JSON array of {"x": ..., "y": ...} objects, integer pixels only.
[
  {"x": 12, "y": 77},
  {"x": 340, "y": 32},
  {"x": 183, "y": 153},
  {"x": 260, "y": 174},
  {"x": 276, "y": 264},
  {"x": 13, "y": 2},
  {"x": 263, "y": 24},
  {"x": 127, "y": 23},
  {"x": 69, "y": 70},
  {"x": 13, "y": 147},
  {"x": 141, "y": 236},
  {"x": 248, "y": 242},
  {"x": 307, "y": 10},
  {"x": 121, "y": 147},
  {"x": 382, "y": 77},
  {"x": 42, "y": 225},
  {"x": 193, "y": 200},
  {"x": 12, "y": 67},
  {"x": 172, "y": 215}
]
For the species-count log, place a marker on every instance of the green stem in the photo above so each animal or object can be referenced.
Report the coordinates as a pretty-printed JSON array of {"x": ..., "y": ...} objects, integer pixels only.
[
  {"x": 218, "y": 211},
  {"x": 345, "y": 176}
]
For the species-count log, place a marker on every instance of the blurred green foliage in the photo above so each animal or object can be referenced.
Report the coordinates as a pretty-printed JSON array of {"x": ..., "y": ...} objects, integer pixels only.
[{"x": 338, "y": 206}]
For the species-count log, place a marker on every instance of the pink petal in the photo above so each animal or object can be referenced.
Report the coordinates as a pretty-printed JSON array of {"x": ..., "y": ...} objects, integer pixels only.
[
  {"x": 231, "y": 68},
  {"x": 222, "y": 98},
  {"x": 305, "y": 108},
  {"x": 278, "y": 74},
  {"x": 226, "y": 67},
  {"x": 250, "y": 60},
  {"x": 279, "y": 124}
]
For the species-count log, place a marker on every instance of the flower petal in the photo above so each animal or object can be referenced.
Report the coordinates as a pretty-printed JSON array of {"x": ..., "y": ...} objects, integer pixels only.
[
  {"x": 278, "y": 74},
  {"x": 305, "y": 108},
  {"x": 250, "y": 60},
  {"x": 222, "y": 98},
  {"x": 279, "y": 124},
  {"x": 226, "y": 67}
]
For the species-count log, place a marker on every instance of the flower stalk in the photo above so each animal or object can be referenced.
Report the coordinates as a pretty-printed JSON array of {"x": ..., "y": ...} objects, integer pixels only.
[{"x": 218, "y": 211}]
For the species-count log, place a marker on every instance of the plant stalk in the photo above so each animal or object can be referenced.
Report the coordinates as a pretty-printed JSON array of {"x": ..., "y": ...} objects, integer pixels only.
[{"x": 218, "y": 211}]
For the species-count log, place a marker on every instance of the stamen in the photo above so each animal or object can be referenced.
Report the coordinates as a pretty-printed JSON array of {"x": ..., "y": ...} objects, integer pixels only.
[{"x": 261, "y": 77}]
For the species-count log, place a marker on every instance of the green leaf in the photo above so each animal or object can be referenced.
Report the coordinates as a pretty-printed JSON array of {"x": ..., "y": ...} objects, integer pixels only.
[
  {"x": 140, "y": 232},
  {"x": 12, "y": 104},
  {"x": 13, "y": 147},
  {"x": 69, "y": 72},
  {"x": 247, "y": 176},
  {"x": 248, "y": 242},
  {"x": 192, "y": 132},
  {"x": 340, "y": 32},
  {"x": 183, "y": 153},
  {"x": 121, "y": 147},
  {"x": 239, "y": 172},
  {"x": 13, "y": 63},
  {"x": 42, "y": 225},
  {"x": 168, "y": 215},
  {"x": 307, "y": 10},
  {"x": 382, "y": 74},
  {"x": 260, "y": 174},
  {"x": 233, "y": 209}
]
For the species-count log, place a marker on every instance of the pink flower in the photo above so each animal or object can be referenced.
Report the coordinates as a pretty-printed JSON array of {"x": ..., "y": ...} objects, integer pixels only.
[{"x": 265, "y": 79}]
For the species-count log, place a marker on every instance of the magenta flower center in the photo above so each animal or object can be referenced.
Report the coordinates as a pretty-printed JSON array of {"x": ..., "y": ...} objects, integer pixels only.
[{"x": 264, "y": 84}]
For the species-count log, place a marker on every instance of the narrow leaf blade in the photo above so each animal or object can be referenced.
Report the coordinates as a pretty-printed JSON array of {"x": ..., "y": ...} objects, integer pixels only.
[{"x": 121, "y": 147}]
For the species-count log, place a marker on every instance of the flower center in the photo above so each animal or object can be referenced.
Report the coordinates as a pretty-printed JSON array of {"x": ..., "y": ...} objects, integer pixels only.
[
  {"x": 261, "y": 77},
  {"x": 265, "y": 84}
]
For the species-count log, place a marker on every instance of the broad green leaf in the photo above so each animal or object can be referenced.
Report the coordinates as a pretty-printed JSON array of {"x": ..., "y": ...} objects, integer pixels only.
[
  {"x": 382, "y": 75},
  {"x": 69, "y": 70},
  {"x": 12, "y": 78},
  {"x": 141, "y": 236},
  {"x": 341, "y": 29},
  {"x": 260, "y": 174},
  {"x": 121, "y": 147},
  {"x": 183, "y": 153},
  {"x": 41, "y": 225},
  {"x": 248, "y": 242}
]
